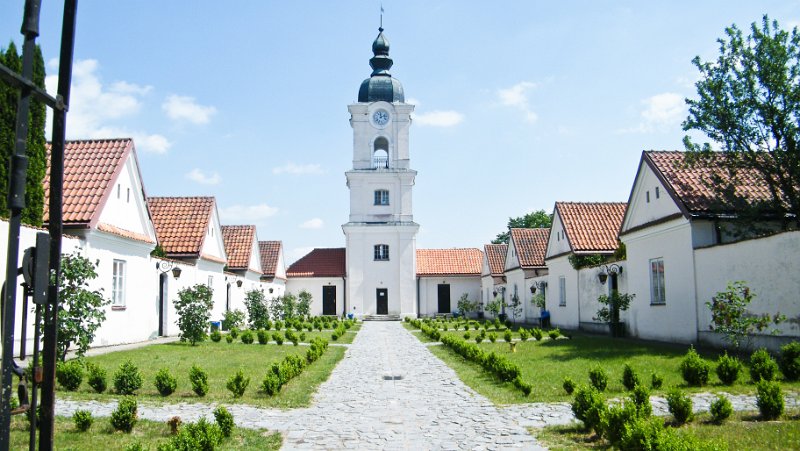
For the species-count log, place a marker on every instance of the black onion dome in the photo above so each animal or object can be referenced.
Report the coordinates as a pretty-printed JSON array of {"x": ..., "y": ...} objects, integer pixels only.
[{"x": 380, "y": 85}]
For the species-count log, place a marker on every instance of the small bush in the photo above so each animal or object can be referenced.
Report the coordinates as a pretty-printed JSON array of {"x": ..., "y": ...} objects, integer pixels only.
[
  {"x": 83, "y": 420},
  {"x": 238, "y": 383},
  {"x": 467, "y": 335},
  {"x": 224, "y": 420},
  {"x": 278, "y": 325},
  {"x": 263, "y": 336},
  {"x": 641, "y": 399},
  {"x": 96, "y": 377},
  {"x": 199, "y": 380},
  {"x": 554, "y": 333},
  {"x": 70, "y": 374},
  {"x": 271, "y": 384},
  {"x": 656, "y": 381},
  {"x": 720, "y": 409},
  {"x": 127, "y": 379},
  {"x": 589, "y": 407},
  {"x": 216, "y": 336},
  {"x": 493, "y": 337},
  {"x": 728, "y": 369},
  {"x": 694, "y": 369},
  {"x": 538, "y": 334},
  {"x": 507, "y": 336},
  {"x": 125, "y": 416},
  {"x": 478, "y": 339},
  {"x": 569, "y": 385},
  {"x": 630, "y": 378},
  {"x": 769, "y": 399},
  {"x": 616, "y": 422},
  {"x": 525, "y": 387},
  {"x": 135, "y": 446},
  {"x": 599, "y": 378},
  {"x": 680, "y": 406},
  {"x": 247, "y": 337},
  {"x": 174, "y": 424},
  {"x": 762, "y": 366},
  {"x": 165, "y": 382},
  {"x": 278, "y": 338},
  {"x": 302, "y": 336},
  {"x": 234, "y": 333},
  {"x": 524, "y": 335},
  {"x": 194, "y": 436},
  {"x": 790, "y": 361}
]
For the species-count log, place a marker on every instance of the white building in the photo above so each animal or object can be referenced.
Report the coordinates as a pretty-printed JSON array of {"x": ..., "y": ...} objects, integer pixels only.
[
  {"x": 444, "y": 276},
  {"x": 243, "y": 272},
  {"x": 273, "y": 268},
  {"x": 322, "y": 272},
  {"x": 381, "y": 232},
  {"x": 493, "y": 278},
  {"x": 525, "y": 270}
]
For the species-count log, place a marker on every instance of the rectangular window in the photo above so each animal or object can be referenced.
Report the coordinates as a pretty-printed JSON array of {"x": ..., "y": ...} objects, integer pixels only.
[
  {"x": 657, "y": 291},
  {"x": 118, "y": 284},
  {"x": 118, "y": 190},
  {"x": 128, "y": 200},
  {"x": 657, "y": 193},
  {"x": 647, "y": 195},
  {"x": 562, "y": 291},
  {"x": 382, "y": 252},
  {"x": 381, "y": 197},
  {"x": 210, "y": 281}
]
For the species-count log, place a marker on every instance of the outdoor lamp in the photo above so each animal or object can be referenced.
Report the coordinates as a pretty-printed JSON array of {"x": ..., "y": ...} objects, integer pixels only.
[{"x": 239, "y": 283}]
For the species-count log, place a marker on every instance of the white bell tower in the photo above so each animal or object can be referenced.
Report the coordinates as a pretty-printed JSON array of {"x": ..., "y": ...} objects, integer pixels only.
[{"x": 381, "y": 232}]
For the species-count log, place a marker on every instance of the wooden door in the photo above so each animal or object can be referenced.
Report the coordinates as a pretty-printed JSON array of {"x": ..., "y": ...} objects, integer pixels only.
[
  {"x": 329, "y": 300},
  {"x": 382, "y": 295},
  {"x": 444, "y": 298}
]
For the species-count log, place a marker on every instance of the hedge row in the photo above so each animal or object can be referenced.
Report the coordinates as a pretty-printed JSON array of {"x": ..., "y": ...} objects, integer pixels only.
[
  {"x": 291, "y": 366},
  {"x": 498, "y": 365}
]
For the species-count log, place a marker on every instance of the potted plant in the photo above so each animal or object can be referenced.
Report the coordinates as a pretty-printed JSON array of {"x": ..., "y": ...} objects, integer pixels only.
[{"x": 609, "y": 313}]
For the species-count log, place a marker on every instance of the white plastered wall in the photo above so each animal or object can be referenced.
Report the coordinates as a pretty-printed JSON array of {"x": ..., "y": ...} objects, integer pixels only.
[
  {"x": 314, "y": 286},
  {"x": 459, "y": 285}
]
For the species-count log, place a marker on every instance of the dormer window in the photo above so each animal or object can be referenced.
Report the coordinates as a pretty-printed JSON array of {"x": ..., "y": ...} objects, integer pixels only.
[
  {"x": 381, "y": 197},
  {"x": 381, "y": 252}
]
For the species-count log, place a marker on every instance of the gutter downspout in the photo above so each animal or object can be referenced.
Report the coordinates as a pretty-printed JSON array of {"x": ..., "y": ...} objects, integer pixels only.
[
  {"x": 344, "y": 297},
  {"x": 418, "y": 312}
]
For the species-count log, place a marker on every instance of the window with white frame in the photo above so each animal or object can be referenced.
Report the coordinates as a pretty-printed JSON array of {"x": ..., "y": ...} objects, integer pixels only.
[
  {"x": 118, "y": 284},
  {"x": 210, "y": 281},
  {"x": 381, "y": 252},
  {"x": 657, "y": 291},
  {"x": 381, "y": 197},
  {"x": 562, "y": 291}
]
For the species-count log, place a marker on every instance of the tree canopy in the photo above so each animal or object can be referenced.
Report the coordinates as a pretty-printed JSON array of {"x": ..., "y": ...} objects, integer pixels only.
[
  {"x": 749, "y": 105},
  {"x": 532, "y": 220}
]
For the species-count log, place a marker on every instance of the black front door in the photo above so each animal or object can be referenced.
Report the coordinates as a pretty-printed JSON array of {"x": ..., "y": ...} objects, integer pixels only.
[
  {"x": 444, "y": 298},
  {"x": 162, "y": 304},
  {"x": 383, "y": 301},
  {"x": 328, "y": 300}
]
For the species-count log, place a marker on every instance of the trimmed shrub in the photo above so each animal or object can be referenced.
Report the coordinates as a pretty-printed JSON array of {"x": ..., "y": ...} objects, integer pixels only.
[
  {"x": 216, "y": 336},
  {"x": 478, "y": 339},
  {"x": 127, "y": 379},
  {"x": 507, "y": 336},
  {"x": 525, "y": 387},
  {"x": 694, "y": 369},
  {"x": 599, "y": 378},
  {"x": 302, "y": 336},
  {"x": 728, "y": 369},
  {"x": 467, "y": 335},
  {"x": 199, "y": 380},
  {"x": 224, "y": 420},
  {"x": 524, "y": 335},
  {"x": 96, "y": 377},
  {"x": 83, "y": 420},
  {"x": 538, "y": 334},
  {"x": 680, "y": 406},
  {"x": 263, "y": 336},
  {"x": 234, "y": 333},
  {"x": 554, "y": 333},
  {"x": 641, "y": 399},
  {"x": 247, "y": 337},
  {"x": 69, "y": 374},
  {"x": 589, "y": 407},
  {"x": 720, "y": 409},
  {"x": 493, "y": 337},
  {"x": 630, "y": 378},
  {"x": 790, "y": 361},
  {"x": 769, "y": 399},
  {"x": 165, "y": 382},
  {"x": 124, "y": 417},
  {"x": 237, "y": 384},
  {"x": 271, "y": 384},
  {"x": 656, "y": 381},
  {"x": 194, "y": 436},
  {"x": 569, "y": 385},
  {"x": 229, "y": 338},
  {"x": 616, "y": 422},
  {"x": 762, "y": 366}
]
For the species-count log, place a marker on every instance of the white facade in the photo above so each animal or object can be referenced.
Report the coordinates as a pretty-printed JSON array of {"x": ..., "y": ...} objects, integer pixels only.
[
  {"x": 381, "y": 217},
  {"x": 456, "y": 286},
  {"x": 314, "y": 285}
]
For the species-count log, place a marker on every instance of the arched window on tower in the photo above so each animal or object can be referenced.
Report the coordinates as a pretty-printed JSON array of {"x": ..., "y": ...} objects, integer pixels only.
[{"x": 380, "y": 153}]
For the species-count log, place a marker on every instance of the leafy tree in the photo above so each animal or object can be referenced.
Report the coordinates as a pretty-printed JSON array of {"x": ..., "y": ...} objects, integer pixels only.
[
  {"x": 730, "y": 317},
  {"x": 494, "y": 306},
  {"x": 465, "y": 306},
  {"x": 303, "y": 306},
  {"x": 82, "y": 310},
  {"x": 532, "y": 220},
  {"x": 194, "y": 311},
  {"x": 611, "y": 306},
  {"x": 515, "y": 306},
  {"x": 34, "y": 189},
  {"x": 257, "y": 309},
  {"x": 749, "y": 105}
]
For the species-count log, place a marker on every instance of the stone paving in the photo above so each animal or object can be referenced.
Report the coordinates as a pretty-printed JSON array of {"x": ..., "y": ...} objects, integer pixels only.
[{"x": 390, "y": 392}]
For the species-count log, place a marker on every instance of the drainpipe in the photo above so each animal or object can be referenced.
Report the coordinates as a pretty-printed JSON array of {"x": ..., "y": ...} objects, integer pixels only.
[
  {"x": 418, "y": 312},
  {"x": 344, "y": 297}
]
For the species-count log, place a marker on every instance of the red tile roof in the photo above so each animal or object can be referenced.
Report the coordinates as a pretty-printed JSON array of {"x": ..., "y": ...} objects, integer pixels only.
[
  {"x": 238, "y": 244},
  {"x": 181, "y": 222},
  {"x": 531, "y": 246},
  {"x": 320, "y": 263},
  {"x": 496, "y": 254},
  {"x": 270, "y": 253},
  {"x": 90, "y": 167},
  {"x": 591, "y": 226},
  {"x": 688, "y": 187},
  {"x": 431, "y": 262}
]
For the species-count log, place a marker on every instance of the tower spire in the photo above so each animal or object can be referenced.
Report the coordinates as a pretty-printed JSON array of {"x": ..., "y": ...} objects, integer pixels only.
[{"x": 380, "y": 28}]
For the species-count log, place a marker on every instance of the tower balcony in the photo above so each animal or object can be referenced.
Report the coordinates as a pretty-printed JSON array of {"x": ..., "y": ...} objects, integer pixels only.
[{"x": 380, "y": 163}]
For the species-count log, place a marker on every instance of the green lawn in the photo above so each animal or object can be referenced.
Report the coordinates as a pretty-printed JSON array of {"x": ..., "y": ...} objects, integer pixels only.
[
  {"x": 741, "y": 432},
  {"x": 220, "y": 360},
  {"x": 101, "y": 436},
  {"x": 544, "y": 364}
]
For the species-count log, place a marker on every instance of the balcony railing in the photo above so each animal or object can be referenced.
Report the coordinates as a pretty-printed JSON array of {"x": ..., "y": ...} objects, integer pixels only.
[{"x": 380, "y": 163}]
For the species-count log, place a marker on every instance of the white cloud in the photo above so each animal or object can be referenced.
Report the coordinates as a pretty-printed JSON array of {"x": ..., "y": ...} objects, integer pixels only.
[
  {"x": 184, "y": 108},
  {"x": 297, "y": 169},
  {"x": 439, "y": 118},
  {"x": 94, "y": 107},
  {"x": 517, "y": 97},
  {"x": 247, "y": 213},
  {"x": 196, "y": 175},
  {"x": 314, "y": 223},
  {"x": 661, "y": 112}
]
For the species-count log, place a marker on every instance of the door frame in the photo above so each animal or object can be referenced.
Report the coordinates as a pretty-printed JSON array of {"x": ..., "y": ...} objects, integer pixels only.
[
  {"x": 330, "y": 289},
  {"x": 378, "y": 292}
]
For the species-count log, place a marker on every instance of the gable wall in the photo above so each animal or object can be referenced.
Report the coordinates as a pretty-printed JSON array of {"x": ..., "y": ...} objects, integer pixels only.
[
  {"x": 640, "y": 211},
  {"x": 213, "y": 244},
  {"x": 512, "y": 256},
  {"x": 126, "y": 207},
  {"x": 557, "y": 243}
]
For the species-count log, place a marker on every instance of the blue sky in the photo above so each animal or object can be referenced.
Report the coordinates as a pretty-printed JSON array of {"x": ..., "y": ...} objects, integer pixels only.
[{"x": 519, "y": 103}]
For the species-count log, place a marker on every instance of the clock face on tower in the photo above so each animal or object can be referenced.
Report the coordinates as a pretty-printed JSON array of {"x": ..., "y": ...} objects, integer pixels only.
[{"x": 380, "y": 117}]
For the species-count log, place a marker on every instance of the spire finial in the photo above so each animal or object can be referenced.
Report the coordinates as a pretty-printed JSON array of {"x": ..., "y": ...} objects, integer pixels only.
[{"x": 380, "y": 29}]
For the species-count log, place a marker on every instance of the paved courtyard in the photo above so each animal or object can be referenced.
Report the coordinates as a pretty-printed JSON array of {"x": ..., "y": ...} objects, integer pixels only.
[{"x": 390, "y": 392}]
